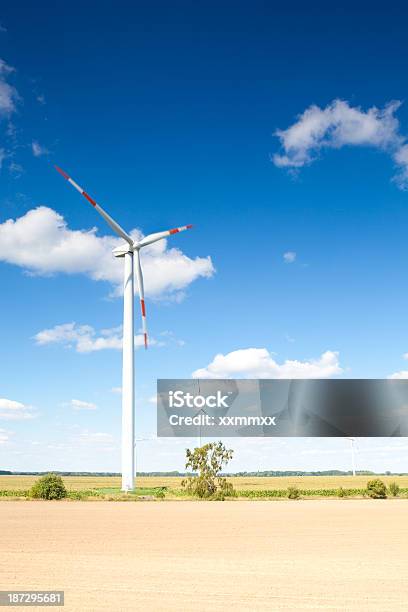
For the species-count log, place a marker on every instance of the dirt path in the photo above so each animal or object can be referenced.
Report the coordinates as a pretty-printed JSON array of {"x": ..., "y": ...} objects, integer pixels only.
[{"x": 304, "y": 555}]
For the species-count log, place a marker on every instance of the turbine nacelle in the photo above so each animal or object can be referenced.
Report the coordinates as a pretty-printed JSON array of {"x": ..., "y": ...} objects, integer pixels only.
[
  {"x": 121, "y": 250},
  {"x": 129, "y": 247}
]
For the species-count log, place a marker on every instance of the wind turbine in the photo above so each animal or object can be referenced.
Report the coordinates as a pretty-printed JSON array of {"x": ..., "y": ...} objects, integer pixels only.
[
  {"x": 130, "y": 251},
  {"x": 353, "y": 460}
]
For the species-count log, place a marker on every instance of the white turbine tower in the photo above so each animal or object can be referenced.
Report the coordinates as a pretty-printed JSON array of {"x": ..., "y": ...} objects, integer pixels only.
[
  {"x": 353, "y": 459},
  {"x": 130, "y": 250}
]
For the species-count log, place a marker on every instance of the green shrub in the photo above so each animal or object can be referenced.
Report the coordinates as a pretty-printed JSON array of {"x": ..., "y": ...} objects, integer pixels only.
[
  {"x": 218, "y": 496},
  {"x": 161, "y": 494},
  {"x": 83, "y": 494},
  {"x": 78, "y": 495},
  {"x": 394, "y": 489},
  {"x": 261, "y": 493},
  {"x": 275, "y": 493},
  {"x": 376, "y": 489},
  {"x": 14, "y": 493},
  {"x": 49, "y": 486},
  {"x": 293, "y": 493}
]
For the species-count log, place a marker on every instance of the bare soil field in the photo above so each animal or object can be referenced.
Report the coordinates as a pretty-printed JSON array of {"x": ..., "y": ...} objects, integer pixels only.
[
  {"x": 165, "y": 556},
  {"x": 242, "y": 483}
]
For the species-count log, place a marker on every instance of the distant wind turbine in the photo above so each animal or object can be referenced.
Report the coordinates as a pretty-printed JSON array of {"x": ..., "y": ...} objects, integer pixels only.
[
  {"x": 353, "y": 459},
  {"x": 130, "y": 251}
]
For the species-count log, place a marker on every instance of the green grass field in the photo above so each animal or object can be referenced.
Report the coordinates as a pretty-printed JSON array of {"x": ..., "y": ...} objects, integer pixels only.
[{"x": 173, "y": 484}]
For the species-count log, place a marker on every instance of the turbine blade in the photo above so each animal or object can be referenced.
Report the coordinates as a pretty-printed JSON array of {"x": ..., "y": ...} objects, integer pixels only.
[
  {"x": 139, "y": 277},
  {"x": 111, "y": 222},
  {"x": 160, "y": 235}
]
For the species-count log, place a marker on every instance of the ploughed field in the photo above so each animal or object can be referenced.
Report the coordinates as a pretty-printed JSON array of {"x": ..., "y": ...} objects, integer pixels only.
[
  {"x": 293, "y": 555},
  {"x": 247, "y": 483}
]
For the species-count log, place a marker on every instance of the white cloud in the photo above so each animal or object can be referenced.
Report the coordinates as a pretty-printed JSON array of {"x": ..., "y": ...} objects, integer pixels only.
[
  {"x": 41, "y": 242},
  {"x": 289, "y": 257},
  {"x": 7, "y": 404},
  {"x": 77, "y": 404},
  {"x": 117, "y": 390},
  {"x": 8, "y": 94},
  {"x": 102, "y": 441},
  {"x": 397, "y": 375},
  {"x": 401, "y": 159},
  {"x": 96, "y": 437},
  {"x": 38, "y": 149},
  {"x": 259, "y": 363},
  {"x": 10, "y": 410},
  {"x": 338, "y": 125},
  {"x": 16, "y": 169},
  {"x": 4, "y": 436},
  {"x": 84, "y": 441},
  {"x": 11, "y": 130},
  {"x": 84, "y": 338},
  {"x": 169, "y": 337},
  {"x": 402, "y": 373}
]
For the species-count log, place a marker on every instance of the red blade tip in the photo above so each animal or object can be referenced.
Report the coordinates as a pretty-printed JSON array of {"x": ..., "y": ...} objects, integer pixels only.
[
  {"x": 64, "y": 174},
  {"x": 142, "y": 304}
]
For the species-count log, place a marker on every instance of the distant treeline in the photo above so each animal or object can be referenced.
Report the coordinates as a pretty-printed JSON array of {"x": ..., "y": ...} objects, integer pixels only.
[
  {"x": 8, "y": 473},
  {"x": 277, "y": 473},
  {"x": 265, "y": 473}
]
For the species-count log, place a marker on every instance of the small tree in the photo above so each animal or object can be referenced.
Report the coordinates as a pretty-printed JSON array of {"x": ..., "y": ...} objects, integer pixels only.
[
  {"x": 394, "y": 489},
  {"x": 49, "y": 486},
  {"x": 376, "y": 489},
  {"x": 342, "y": 492},
  {"x": 208, "y": 461},
  {"x": 293, "y": 493}
]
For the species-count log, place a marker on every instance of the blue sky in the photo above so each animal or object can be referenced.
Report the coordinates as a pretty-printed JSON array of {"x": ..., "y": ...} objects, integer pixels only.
[{"x": 167, "y": 115}]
